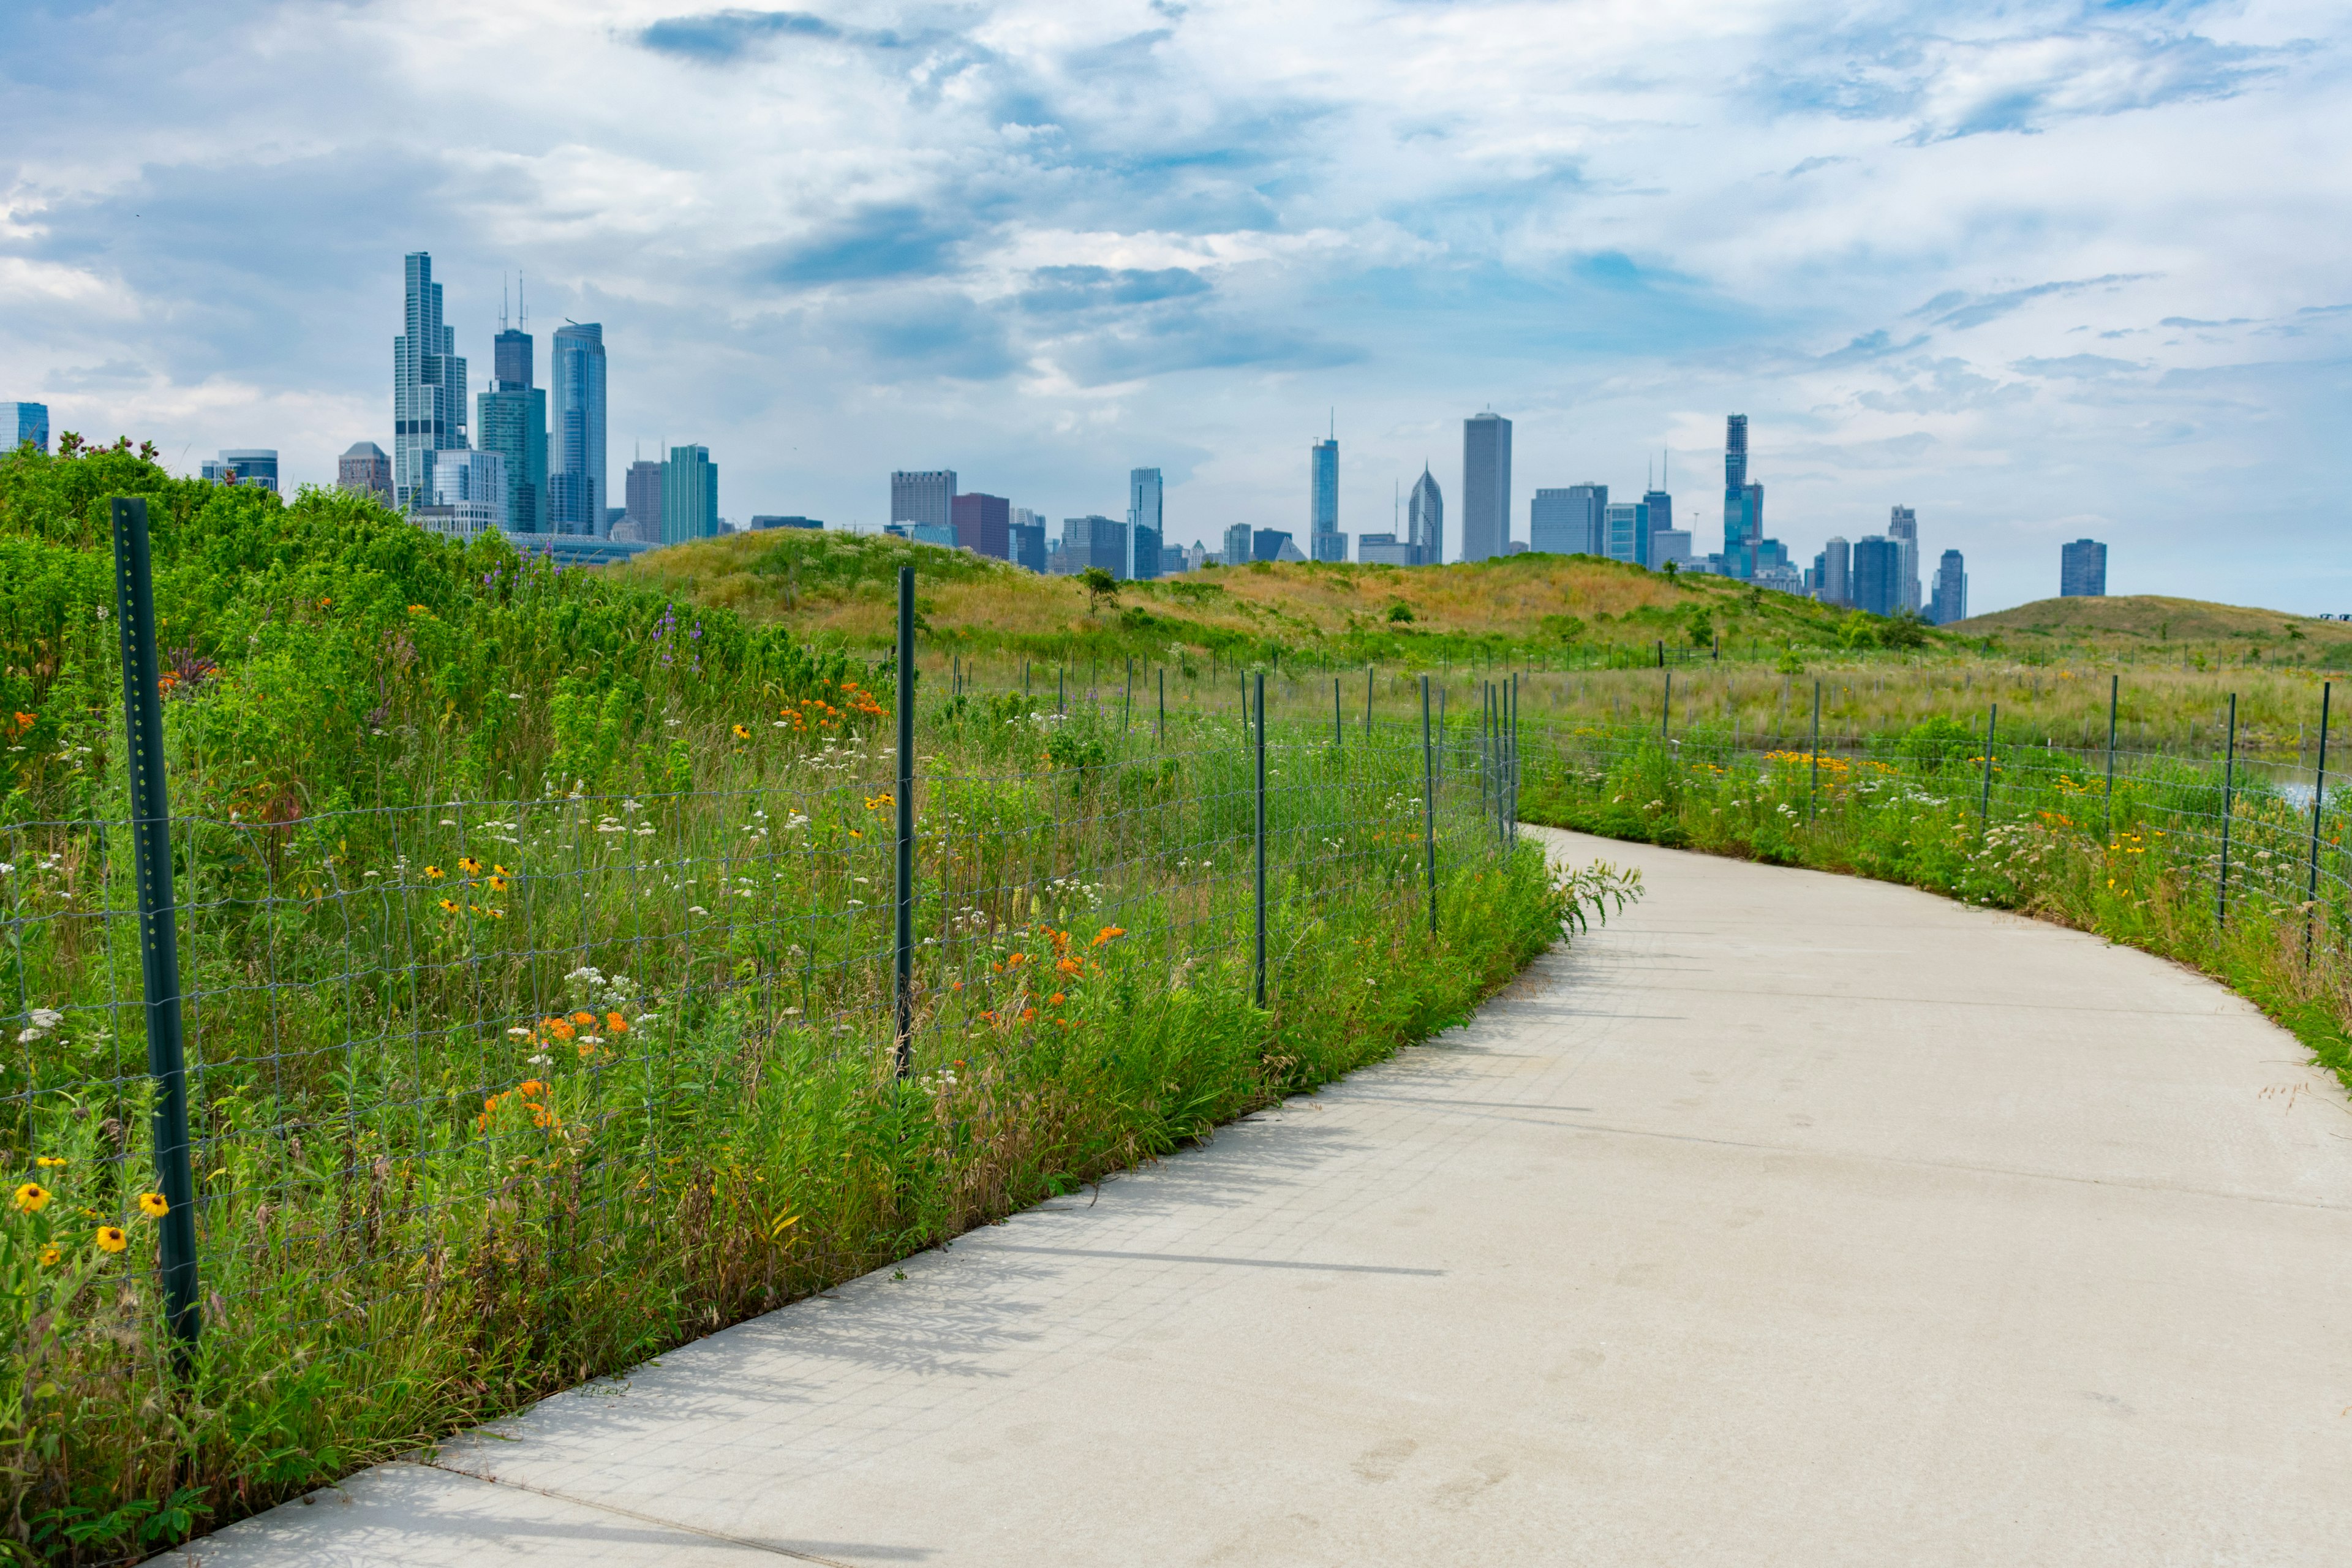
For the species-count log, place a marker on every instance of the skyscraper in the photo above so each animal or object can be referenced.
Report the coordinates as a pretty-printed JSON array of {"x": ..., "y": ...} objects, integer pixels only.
[
  {"x": 983, "y": 525},
  {"x": 510, "y": 419},
  {"x": 576, "y": 478},
  {"x": 1951, "y": 601},
  {"x": 641, "y": 489},
  {"x": 1325, "y": 542},
  {"x": 2083, "y": 570},
  {"x": 1485, "y": 485},
  {"x": 1425, "y": 512},
  {"x": 923, "y": 495},
  {"x": 1622, "y": 530},
  {"x": 1144, "y": 531},
  {"x": 23, "y": 422},
  {"x": 1877, "y": 574},
  {"x": 1657, "y": 517},
  {"x": 428, "y": 384},
  {"x": 1096, "y": 540},
  {"x": 1837, "y": 572},
  {"x": 1027, "y": 530},
  {"x": 689, "y": 495},
  {"x": 1237, "y": 551},
  {"x": 364, "y": 470},
  {"x": 467, "y": 491},
  {"x": 1743, "y": 503},
  {"x": 1570, "y": 521},
  {"x": 1903, "y": 526}
]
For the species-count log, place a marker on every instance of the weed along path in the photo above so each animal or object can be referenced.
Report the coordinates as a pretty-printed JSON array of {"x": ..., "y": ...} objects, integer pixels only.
[{"x": 1790, "y": 1219}]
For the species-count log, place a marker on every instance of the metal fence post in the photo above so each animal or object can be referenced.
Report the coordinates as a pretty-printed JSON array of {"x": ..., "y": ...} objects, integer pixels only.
[
  {"x": 2318, "y": 792},
  {"x": 1666, "y": 709},
  {"x": 1261, "y": 839},
  {"x": 1513, "y": 774},
  {"x": 904, "y": 989},
  {"x": 1368, "y": 699},
  {"x": 1813, "y": 803},
  {"x": 2229, "y": 781},
  {"x": 1339, "y": 734},
  {"x": 1984, "y": 805},
  {"x": 1127, "y": 702},
  {"x": 1163, "y": 705},
  {"x": 1429, "y": 804},
  {"x": 159, "y": 936},
  {"x": 2115, "y": 689}
]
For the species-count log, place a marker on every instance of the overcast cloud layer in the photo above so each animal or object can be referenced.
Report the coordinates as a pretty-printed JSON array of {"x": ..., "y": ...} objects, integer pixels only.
[{"x": 2036, "y": 270}]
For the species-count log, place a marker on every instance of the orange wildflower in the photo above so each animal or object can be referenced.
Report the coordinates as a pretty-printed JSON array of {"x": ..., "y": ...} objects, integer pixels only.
[{"x": 615, "y": 1025}]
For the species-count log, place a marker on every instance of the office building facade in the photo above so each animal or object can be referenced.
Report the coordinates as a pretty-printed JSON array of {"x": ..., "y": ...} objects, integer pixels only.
[
  {"x": 1624, "y": 535},
  {"x": 256, "y": 465},
  {"x": 467, "y": 492},
  {"x": 1951, "y": 601},
  {"x": 428, "y": 384},
  {"x": 2083, "y": 570},
  {"x": 925, "y": 495},
  {"x": 1145, "y": 531},
  {"x": 1670, "y": 544},
  {"x": 1027, "y": 531},
  {"x": 1095, "y": 541},
  {"x": 764, "y": 520},
  {"x": 576, "y": 480},
  {"x": 1238, "y": 550},
  {"x": 689, "y": 495},
  {"x": 1657, "y": 517},
  {"x": 511, "y": 420},
  {"x": 983, "y": 525},
  {"x": 1325, "y": 542},
  {"x": 1485, "y": 487},
  {"x": 1743, "y": 503},
  {"x": 1835, "y": 566},
  {"x": 23, "y": 422},
  {"x": 365, "y": 469},
  {"x": 1877, "y": 574},
  {"x": 641, "y": 489},
  {"x": 1383, "y": 550},
  {"x": 1903, "y": 526},
  {"x": 1569, "y": 521},
  {"x": 1424, "y": 516}
]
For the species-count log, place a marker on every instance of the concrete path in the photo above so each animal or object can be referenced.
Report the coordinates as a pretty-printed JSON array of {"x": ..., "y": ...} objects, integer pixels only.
[{"x": 1790, "y": 1220}]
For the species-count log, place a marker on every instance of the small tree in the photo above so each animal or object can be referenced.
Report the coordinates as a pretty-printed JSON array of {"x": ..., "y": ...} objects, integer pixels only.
[
  {"x": 1100, "y": 587},
  {"x": 1400, "y": 613}
]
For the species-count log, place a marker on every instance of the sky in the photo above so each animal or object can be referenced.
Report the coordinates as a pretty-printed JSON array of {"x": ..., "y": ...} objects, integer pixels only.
[{"x": 2037, "y": 270}]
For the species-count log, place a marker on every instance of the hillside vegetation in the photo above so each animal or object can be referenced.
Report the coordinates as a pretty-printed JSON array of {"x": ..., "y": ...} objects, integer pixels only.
[
  {"x": 2150, "y": 624},
  {"x": 838, "y": 587}
]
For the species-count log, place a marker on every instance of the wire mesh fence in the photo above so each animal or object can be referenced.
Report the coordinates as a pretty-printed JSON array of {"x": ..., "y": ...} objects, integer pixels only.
[{"x": 496, "y": 1087}]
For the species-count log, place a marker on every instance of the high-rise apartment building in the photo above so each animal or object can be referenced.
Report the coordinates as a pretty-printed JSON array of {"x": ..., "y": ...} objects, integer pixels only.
[
  {"x": 690, "y": 502},
  {"x": 1903, "y": 526},
  {"x": 467, "y": 492},
  {"x": 2083, "y": 570},
  {"x": 365, "y": 469},
  {"x": 923, "y": 495},
  {"x": 1877, "y": 574},
  {"x": 1485, "y": 487},
  {"x": 641, "y": 489},
  {"x": 1424, "y": 516},
  {"x": 1569, "y": 521},
  {"x": 510, "y": 419},
  {"x": 23, "y": 422},
  {"x": 576, "y": 477},
  {"x": 428, "y": 384},
  {"x": 1324, "y": 539},
  {"x": 256, "y": 465},
  {"x": 1836, "y": 562},
  {"x": 983, "y": 525},
  {"x": 1743, "y": 503},
  {"x": 1951, "y": 600},
  {"x": 1144, "y": 529}
]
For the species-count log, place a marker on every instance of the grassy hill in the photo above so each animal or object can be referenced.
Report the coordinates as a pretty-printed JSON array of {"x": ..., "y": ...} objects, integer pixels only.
[
  {"x": 840, "y": 586},
  {"x": 2143, "y": 620}
]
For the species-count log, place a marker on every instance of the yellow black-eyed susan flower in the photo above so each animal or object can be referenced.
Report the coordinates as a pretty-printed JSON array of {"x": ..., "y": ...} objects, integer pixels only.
[
  {"x": 497, "y": 884},
  {"x": 110, "y": 1238},
  {"x": 449, "y": 906},
  {"x": 470, "y": 866},
  {"x": 50, "y": 1255},
  {"x": 155, "y": 1206},
  {"x": 32, "y": 1197},
  {"x": 742, "y": 731},
  {"x": 50, "y": 1163},
  {"x": 434, "y": 873}
]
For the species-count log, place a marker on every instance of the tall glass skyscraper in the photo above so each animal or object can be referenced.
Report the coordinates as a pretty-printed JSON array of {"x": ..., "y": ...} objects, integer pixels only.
[
  {"x": 1743, "y": 503},
  {"x": 1951, "y": 598},
  {"x": 1903, "y": 526},
  {"x": 428, "y": 386},
  {"x": 1876, "y": 579},
  {"x": 1485, "y": 485},
  {"x": 1424, "y": 515},
  {"x": 575, "y": 480},
  {"x": 23, "y": 422},
  {"x": 2083, "y": 570},
  {"x": 1324, "y": 539},
  {"x": 1569, "y": 521},
  {"x": 1144, "y": 529},
  {"x": 690, "y": 506},
  {"x": 511, "y": 420}
]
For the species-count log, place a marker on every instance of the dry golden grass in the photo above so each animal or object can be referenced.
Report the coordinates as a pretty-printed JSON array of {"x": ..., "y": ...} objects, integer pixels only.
[{"x": 2150, "y": 618}]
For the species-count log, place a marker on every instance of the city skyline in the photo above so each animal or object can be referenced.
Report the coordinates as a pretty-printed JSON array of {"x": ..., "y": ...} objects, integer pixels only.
[{"x": 1900, "y": 242}]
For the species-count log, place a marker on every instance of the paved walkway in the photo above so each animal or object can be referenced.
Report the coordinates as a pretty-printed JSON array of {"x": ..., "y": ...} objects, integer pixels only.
[{"x": 1790, "y": 1220}]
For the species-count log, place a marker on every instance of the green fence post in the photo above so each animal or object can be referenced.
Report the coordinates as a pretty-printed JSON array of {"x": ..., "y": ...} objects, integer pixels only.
[
  {"x": 2115, "y": 690},
  {"x": 1261, "y": 839},
  {"x": 1666, "y": 707},
  {"x": 1339, "y": 731},
  {"x": 1984, "y": 805},
  {"x": 1163, "y": 705},
  {"x": 904, "y": 986},
  {"x": 2318, "y": 792},
  {"x": 1429, "y": 804},
  {"x": 159, "y": 936},
  {"x": 2228, "y": 782},
  {"x": 1813, "y": 803}
]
